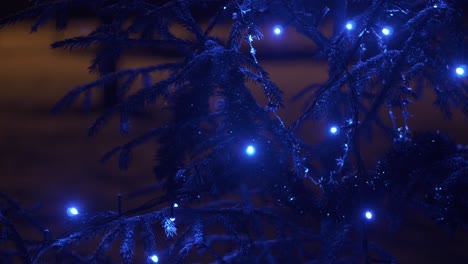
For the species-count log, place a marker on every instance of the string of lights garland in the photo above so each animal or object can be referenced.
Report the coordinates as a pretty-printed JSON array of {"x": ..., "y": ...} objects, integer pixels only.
[
  {"x": 334, "y": 130},
  {"x": 342, "y": 130}
]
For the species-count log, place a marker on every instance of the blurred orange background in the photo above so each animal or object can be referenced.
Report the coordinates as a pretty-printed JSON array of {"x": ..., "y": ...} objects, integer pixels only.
[{"x": 48, "y": 162}]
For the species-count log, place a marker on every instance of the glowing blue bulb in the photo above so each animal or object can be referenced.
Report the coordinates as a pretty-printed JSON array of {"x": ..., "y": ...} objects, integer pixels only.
[
  {"x": 460, "y": 71},
  {"x": 334, "y": 130},
  {"x": 250, "y": 150},
  {"x": 72, "y": 211},
  {"x": 278, "y": 30},
  {"x": 176, "y": 205},
  {"x": 172, "y": 219},
  {"x": 368, "y": 215},
  {"x": 154, "y": 258},
  {"x": 386, "y": 31},
  {"x": 435, "y": 6},
  {"x": 349, "y": 26}
]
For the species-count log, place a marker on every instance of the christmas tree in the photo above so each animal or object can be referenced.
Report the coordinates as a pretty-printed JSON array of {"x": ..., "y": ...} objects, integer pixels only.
[{"x": 238, "y": 180}]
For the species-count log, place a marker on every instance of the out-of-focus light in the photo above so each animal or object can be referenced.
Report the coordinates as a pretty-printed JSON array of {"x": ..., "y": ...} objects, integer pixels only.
[
  {"x": 386, "y": 31},
  {"x": 435, "y": 6},
  {"x": 278, "y": 30},
  {"x": 72, "y": 211},
  {"x": 349, "y": 25},
  {"x": 172, "y": 219},
  {"x": 460, "y": 71},
  {"x": 334, "y": 130},
  {"x": 154, "y": 258},
  {"x": 368, "y": 215},
  {"x": 250, "y": 150},
  {"x": 176, "y": 205}
]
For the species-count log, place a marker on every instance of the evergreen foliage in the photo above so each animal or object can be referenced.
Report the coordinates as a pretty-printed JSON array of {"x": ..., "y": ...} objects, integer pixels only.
[{"x": 289, "y": 202}]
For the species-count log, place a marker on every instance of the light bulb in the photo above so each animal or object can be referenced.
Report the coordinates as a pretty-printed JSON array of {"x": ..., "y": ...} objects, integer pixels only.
[
  {"x": 154, "y": 258},
  {"x": 334, "y": 130},
  {"x": 72, "y": 211},
  {"x": 368, "y": 215},
  {"x": 349, "y": 25},
  {"x": 278, "y": 30},
  {"x": 460, "y": 71},
  {"x": 386, "y": 31},
  {"x": 250, "y": 150}
]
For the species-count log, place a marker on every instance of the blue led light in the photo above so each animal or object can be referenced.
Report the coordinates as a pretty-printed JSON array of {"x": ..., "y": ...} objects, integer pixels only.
[
  {"x": 460, "y": 71},
  {"x": 154, "y": 258},
  {"x": 278, "y": 30},
  {"x": 72, "y": 211},
  {"x": 176, "y": 205},
  {"x": 172, "y": 219},
  {"x": 386, "y": 31},
  {"x": 250, "y": 150},
  {"x": 349, "y": 25},
  {"x": 368, "y": 215},
  {"x": 334, "y": 130}
]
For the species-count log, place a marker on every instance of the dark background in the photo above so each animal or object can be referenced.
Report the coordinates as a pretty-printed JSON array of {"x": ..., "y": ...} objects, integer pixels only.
[{"x": 48, "y": 163}]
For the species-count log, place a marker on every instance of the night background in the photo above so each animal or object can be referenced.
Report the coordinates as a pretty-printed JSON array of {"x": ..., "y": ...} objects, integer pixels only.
[{"x": 48, "y": 163}]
